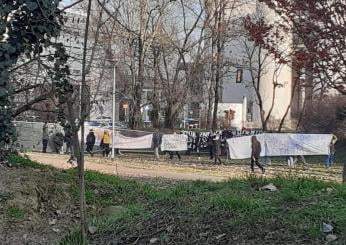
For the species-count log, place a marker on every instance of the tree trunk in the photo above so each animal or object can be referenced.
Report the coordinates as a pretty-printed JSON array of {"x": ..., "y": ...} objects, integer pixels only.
[
  {"x": 155, "y": 116},
  {"x": 210, "y": 104},
  {"x": 169, "y": 117},
  {"x": 77, "y": 149},
  {"x": 80, "y": 152},
  {"x": 218, "y": 76},
  {"x": 135, "y": 119},
  {"x": 216, "y": 103}
]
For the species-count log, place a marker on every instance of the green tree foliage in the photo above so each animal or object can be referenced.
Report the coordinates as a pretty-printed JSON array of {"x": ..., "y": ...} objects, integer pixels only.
[{"x": 27, "y": 28}]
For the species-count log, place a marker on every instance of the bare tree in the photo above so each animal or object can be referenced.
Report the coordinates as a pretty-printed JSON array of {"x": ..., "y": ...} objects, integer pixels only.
[
  {"x": 223, "y": 16},
  {"x": 181, "y": 52},
  {"x": 138, "y": 22}
]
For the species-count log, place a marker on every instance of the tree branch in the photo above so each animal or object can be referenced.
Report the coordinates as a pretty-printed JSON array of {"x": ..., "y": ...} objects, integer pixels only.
[{"x": 29, "y": 105}]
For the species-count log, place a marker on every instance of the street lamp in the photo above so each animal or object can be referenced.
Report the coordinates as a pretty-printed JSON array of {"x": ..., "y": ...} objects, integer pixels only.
[
  {"x": 184, "y": 115},
  {"x": 113, "y": 107}
]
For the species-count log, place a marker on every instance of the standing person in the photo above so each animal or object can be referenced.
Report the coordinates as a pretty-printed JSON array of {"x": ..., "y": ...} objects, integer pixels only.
[
  {"x": 189, "y": 143},
  {"x": 255, "y": 154},
  {"x": 217, "y": 149},
  {"x": 198, "y": 144},
  {"x": 68, "y": 139},
  {"x": 292, "y": 160},
  {"x": 45, "y": 137},
  {"x": 331, "y": 157},
  {"x": 210, "y": 145},
  {"x": 302, "y": 159},
  {"x": 90, "y": 142},
  {"x": 171, "y": 153},
  {"x": 106, "y": 140},
  {"x": 58, "y": 142},
  {"x": 157, "y": 140}
]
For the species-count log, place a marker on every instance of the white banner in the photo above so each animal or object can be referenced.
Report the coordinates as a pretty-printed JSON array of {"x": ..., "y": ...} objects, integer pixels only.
[
  {"x": 240, "y": 147},
  {"x": 174, "y": 142},
  {"x": 123, "y": 142},
  {"x": 281, "y": 145}
]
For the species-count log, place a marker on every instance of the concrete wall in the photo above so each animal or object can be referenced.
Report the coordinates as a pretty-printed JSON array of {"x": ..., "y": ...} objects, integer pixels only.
[{"x": 29, "y": 135}]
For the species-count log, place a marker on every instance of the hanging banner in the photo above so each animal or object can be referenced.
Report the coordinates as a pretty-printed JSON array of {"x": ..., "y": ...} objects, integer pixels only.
[
  {"x": 281, "y": 145},
  {"x": 132, "y": 143},
  {"x": 240, "y": 147},
  {"x": 121, "y": 141},
  {"x": 174, "y": 142}
]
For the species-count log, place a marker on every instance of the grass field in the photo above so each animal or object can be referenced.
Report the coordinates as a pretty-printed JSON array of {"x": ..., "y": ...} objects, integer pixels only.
[{"x": 233, "y": 212}]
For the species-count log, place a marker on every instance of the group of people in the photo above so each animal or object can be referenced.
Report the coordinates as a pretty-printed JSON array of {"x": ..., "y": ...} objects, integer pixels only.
[{"x": 214, "y": 143}]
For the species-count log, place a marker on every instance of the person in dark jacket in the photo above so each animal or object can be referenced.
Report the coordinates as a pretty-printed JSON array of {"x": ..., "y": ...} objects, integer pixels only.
[
  {"x": 198, "y": 144},
  {"x": 331, "y": 157},
  {"x": 210, "y": 145},
  {"x": 45, "y": 137},
  {"x": 58, "y": 142},
  {"x": 255, "y": 154},
  {"x": 171, "y": 153},
  {"x": 68, "y": 139},
  {"x": 90, "y": 142},
  {"x": 157, "y": 140},
  {"x": 217, "y": 149}
]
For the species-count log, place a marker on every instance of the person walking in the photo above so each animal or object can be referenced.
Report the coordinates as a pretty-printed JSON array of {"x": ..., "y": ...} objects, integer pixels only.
[
  {"x": 58, "y": 142},
  {"x": 90, "y": 142},
  {"x": 45, "y": 137},
  {"x": 331, "y": 156},
  {"x": 106, "y": 140},
  {"x": 255, "y": 154},
  {"x": 217, "y": 149},
  {"x": 157, "y": 140}
]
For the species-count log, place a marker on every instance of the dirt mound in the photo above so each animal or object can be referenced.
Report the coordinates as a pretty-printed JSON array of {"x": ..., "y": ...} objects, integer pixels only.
[{"x": 34, "y": 209}]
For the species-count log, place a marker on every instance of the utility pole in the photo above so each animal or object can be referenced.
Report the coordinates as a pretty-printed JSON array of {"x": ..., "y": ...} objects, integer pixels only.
[{"x": 113, "y": 107}]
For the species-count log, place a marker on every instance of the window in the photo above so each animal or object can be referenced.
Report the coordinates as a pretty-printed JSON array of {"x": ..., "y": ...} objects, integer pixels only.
[{"x": 239, "y": 76}]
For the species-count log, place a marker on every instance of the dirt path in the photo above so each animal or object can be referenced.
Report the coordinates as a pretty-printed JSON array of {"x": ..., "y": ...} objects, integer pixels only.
[
  {"x": 144, "y": 166},
  {"x": 129, "y": 169}
]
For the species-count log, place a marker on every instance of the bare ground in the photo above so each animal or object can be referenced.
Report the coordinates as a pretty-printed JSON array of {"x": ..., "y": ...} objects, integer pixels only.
[{"x": 29, "y": 200}]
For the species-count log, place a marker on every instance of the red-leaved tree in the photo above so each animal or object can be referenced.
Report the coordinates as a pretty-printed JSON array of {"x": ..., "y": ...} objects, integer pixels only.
[{"x": 318, "y": 46}]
